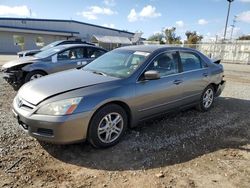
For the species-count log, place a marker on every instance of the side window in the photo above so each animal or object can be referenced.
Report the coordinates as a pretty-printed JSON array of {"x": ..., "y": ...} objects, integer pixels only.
[
  {"x": 190, "y": 61},
  {"x": 74, "y": 53},
  {"x": 94, "y": 52},
  {"x": 166, "y": 64}
]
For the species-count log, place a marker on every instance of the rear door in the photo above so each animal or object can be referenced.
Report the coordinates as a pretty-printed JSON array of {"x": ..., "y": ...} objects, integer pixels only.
[
  {"x": 157, "y": 96},
  {"x": 195, "y": 76},
  {"x": 93, "y": 53}
]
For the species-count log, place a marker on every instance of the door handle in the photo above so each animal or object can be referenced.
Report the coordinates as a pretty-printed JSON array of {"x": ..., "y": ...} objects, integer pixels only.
[
  {"x": 177, "y": 82},
  {"x": 205, "y": 74}
]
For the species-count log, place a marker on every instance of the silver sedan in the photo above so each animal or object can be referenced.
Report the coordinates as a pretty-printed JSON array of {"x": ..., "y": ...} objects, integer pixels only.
[
  {"x": 115, "y": 92},
  {"x": 49, "y": 61}
]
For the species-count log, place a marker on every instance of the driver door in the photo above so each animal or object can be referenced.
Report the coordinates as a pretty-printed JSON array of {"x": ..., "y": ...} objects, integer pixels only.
[{"x": 157, "y": 96}]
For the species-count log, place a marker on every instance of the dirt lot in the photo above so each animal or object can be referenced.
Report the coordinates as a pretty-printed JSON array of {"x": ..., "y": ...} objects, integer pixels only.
[
  {"x": 182, "y": 149},
  {"x": 6, "y": 58}
]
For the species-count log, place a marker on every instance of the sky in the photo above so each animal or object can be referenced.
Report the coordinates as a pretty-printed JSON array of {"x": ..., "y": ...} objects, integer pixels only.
[{"x": 207, "y": 17}]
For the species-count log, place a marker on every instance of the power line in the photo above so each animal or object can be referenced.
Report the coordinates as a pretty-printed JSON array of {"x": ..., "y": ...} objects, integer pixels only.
[{"x": 233, "y": 26}]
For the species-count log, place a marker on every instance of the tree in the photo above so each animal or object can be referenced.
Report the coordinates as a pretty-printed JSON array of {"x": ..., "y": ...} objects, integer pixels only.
[
  {"x": 156, "y": 37},
  {"x": 171, "y": 37},
  {"x": 244, "y": 37},
  {"x": 193, "y": 37}
]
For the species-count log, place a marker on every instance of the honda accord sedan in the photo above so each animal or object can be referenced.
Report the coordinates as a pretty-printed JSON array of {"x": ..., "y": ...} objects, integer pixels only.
[
  {"x": 49, "y": 61},
  {"x": 115, "y": 92}
]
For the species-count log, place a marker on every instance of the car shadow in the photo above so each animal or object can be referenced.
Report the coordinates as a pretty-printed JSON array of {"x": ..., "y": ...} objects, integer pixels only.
[{"x": 166, "y": 140}]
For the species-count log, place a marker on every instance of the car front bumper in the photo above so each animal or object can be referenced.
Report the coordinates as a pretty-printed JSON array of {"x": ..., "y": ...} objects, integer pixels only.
[
  {"x": 13, "y": 77},
  {"x": 56, "y": 129}
]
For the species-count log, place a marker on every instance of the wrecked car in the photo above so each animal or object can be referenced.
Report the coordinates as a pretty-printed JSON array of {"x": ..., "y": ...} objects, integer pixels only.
[
  {"x": 59, "y": 58},
  {"x": 51, "y": 45}
]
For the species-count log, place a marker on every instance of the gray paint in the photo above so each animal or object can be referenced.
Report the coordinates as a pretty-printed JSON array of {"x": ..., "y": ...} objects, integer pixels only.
[{"x": 143, "y": 98}]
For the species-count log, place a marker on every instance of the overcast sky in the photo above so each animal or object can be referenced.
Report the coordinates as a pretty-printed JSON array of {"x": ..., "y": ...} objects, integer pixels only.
[{"x": 207, "y": 17}]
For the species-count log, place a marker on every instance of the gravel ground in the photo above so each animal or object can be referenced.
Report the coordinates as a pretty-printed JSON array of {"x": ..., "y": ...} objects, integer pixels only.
[
  {"x": 182, "y": 149},
  {"x": 6, "y": 58}
]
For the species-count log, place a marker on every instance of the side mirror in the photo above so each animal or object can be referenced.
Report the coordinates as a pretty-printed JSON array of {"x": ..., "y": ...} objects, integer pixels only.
[
  {"x": 151, "y": 75},
  {"x": 54, "y": 58}
]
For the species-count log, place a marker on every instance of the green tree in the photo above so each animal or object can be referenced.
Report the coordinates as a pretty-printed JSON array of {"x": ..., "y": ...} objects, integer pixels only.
[
  {"x": 171, "y": 37},
  {"x": 244, "y": 37},
  {"x": 157, "y": 37},
  {"x": 193, "y": 37}
]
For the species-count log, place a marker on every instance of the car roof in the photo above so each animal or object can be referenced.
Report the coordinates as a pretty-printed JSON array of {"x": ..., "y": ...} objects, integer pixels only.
[
  {"x": 152, "y": 48},
  {"x": 75, "y": 42},
  {"x": 79, "y": 45}
]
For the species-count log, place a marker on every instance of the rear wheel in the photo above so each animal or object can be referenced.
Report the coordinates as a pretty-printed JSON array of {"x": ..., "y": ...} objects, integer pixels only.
[
  {"x": 34, "y": 75},
  {"x": 207, "y": 99},
  {"x": 107, "y": 126}
]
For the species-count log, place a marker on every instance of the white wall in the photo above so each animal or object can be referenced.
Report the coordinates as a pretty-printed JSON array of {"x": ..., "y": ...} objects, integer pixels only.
[
  {"x": 85, "y": 32},
  {"x": 236, "y": 52},
  {"x": 7, "y": 45}
]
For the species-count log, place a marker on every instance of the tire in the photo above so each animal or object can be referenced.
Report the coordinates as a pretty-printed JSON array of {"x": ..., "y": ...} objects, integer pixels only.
[
  {"x": 207, "y": 99},
  {"x": 102, "y": 133},
  {"x": 34, "y": 75}
]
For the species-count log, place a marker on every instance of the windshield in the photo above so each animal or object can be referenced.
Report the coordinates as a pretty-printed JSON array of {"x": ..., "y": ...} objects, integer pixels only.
[
  {"x": 118, "y": 63},
  {"x": 49, "y": 52},
  {"x": 53, "y": 44}
]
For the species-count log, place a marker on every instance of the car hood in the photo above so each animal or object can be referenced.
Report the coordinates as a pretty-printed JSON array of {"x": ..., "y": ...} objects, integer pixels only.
[
  {"x": 28, "y": 51},
  {"x": 19, "y": 61},
  {"x": 36, "y": 91}
]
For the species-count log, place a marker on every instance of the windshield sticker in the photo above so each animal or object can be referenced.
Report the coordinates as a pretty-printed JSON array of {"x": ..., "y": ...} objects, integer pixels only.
[{"x": 141, "y": 53}]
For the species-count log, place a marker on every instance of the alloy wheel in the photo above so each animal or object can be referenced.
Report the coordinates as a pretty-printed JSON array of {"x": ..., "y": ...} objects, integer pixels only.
[
  {"x": 110, "y": 127},
  {"x": 208, "y": 98},
  {"x": 35, "y": 76}
]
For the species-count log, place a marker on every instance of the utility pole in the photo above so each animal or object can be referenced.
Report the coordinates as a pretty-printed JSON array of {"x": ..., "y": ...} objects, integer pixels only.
[
  {"x": 233, "y": 26},
  {"x": 30, "y": 11},
  {"x": 228, "y": 12}
]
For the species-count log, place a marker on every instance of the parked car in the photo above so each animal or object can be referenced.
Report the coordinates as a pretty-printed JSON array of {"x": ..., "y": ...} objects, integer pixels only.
[
  {"x": 116, "y": 91},
  {"x": 51, "y": 45},
  {"x": 49, "y": 61}
]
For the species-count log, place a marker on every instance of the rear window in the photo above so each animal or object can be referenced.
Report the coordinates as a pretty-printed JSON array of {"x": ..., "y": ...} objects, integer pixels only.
[{"x": 190, "y": 61}]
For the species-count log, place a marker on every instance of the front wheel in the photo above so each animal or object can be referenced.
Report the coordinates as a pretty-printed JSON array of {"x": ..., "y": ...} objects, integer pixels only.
[
  {"x": 206, "y": 100},
  {"x": 107, "y": 126},
  {"x": 34, "y": 75}
]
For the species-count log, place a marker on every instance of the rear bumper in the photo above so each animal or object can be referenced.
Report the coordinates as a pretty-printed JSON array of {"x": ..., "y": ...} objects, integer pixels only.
[{"x": 220, "y": 88}]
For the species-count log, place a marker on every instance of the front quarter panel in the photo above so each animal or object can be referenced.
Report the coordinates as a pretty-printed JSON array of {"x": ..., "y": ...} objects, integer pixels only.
[
  {"x": 98, "y": 95},
  {"x": 36, "y": 66}
]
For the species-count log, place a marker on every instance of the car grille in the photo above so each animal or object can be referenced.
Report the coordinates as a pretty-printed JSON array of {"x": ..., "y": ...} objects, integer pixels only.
[{"x": 21, "y": 103}]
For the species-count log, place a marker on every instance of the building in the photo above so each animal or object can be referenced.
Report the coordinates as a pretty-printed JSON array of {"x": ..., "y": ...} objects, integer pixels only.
[{"x": 18, "y": 34}]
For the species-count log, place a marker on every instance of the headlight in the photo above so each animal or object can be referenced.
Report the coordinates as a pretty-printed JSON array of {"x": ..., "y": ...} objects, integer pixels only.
[{"x": 58, "y": 108}]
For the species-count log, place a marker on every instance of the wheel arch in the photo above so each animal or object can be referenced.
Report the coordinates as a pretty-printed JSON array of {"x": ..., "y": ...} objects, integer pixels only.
[
  {"x": 215, "y": 86},
  {"x": 119, "y": 103},
  {"x": 40, "y": 70}
]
